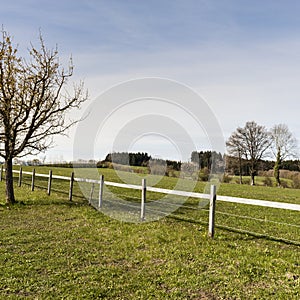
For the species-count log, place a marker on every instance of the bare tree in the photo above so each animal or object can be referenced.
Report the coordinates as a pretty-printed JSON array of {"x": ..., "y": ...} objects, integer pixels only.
[
  {"x": 250, "y": 142},
  {"x": 284, "y": 146},
  {"x": 33, "y": 102},
  {"x": 235, "y": 148}
]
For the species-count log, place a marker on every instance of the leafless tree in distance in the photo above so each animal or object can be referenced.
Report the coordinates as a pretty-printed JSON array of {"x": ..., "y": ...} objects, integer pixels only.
[
  {"x": 284, "y": 146},
  {"x": 251, "y": 142},
  {"x": 235, "y": 149}
]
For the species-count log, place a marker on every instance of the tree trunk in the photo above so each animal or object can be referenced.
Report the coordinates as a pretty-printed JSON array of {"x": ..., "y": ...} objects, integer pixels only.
[
  {"x": 252, "y": 174},
  {"x": 277, "y": 169},
  {"x": 277, "y": 174},
  {"x": 252, "y": 171},
  {"x": 240, "y": 169},
  {"x": 10, "y": 195}
]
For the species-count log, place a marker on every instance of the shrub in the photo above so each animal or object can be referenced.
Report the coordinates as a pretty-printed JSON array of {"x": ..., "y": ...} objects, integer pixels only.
[
  {"x": 268, "y": 173},
  {"x": 204, "y": 174},
  {"x": 188, "y": 169},
  {"x": 246, "y": 181},
  {"x": 226, "y": 179},
  {"x": 157, "y": 167},
  {"x": 103, "y": 164},
  {"x": 119, "y": 167},
  {"x": 267, "y": 181},
  {"x": 172, "y": 173},
  {"x": 284, "y": 184},
  {"x": 158, "y": 170},
  {"x": 288, "y": 174},
  {"x": 296, "y": 181},
  {"x": 141, "y": 170},
  {"x": 237, "y": 180}
]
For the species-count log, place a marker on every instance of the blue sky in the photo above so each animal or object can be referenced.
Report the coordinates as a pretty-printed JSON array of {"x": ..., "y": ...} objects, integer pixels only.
[{"x": 243, "y": 57}]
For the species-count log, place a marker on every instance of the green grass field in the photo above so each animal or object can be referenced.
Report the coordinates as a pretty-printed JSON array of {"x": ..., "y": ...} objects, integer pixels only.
[{"x": 51, "y": 248}]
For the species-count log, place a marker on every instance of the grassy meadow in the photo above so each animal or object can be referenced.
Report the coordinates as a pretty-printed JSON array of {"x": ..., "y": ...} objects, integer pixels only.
[{"x": 51, "y": 248}]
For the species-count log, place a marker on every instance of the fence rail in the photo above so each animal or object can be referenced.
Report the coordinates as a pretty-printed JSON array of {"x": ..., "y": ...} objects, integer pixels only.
[
  {"x": 212, "y": 196},
  {"x": 256, "y": 202},
  {"x": 264, "y": 203}
]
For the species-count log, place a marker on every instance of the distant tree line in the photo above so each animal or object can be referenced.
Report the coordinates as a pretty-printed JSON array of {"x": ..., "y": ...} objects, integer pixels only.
[
  {"x": 212, "y": 160},
  {"x": 129, "y": 159},
  {"x": 231, "y": 164},
  {"x": 291, "y": 165},
  {"x": 139, "y": 159},
  {"x": 202, "y": 159}
]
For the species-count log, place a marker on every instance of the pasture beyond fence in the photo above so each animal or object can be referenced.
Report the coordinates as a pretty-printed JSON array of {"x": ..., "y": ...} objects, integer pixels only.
[{"x": 211, "y": 198}]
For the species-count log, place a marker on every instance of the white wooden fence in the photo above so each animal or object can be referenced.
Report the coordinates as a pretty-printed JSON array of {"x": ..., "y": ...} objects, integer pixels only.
[{"x": 212, "y": 196}]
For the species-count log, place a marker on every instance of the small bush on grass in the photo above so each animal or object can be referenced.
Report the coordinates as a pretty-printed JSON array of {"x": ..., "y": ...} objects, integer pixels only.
[
  {"x": 226, "y": 179},
  {"x": 246, "y": 181},
  {"x": 296, "y": 181},
  {"x": 267, "y": 181},
  {"x": 284, "y": 184},
  {"x": 204, "y": 174}
]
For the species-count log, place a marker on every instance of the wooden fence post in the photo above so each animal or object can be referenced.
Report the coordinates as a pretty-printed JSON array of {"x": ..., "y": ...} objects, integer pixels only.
[
  {"x": 212, "y": 209},
  {"x": 49, "y": 182},
  {"x": 32, "y": 180},
  {"x": 1, "y": 173},
  {"x": 101, "y": 191},
  {"x": 20, "y": 177},
  {"x": 143, "y": 202},
  {"x": 71, "y": 186}
]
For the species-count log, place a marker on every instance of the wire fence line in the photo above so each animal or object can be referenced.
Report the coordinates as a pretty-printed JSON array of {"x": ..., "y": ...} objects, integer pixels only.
[
  {"x": 257, "y": 219},
  {"x": 158, "y": 207}
]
